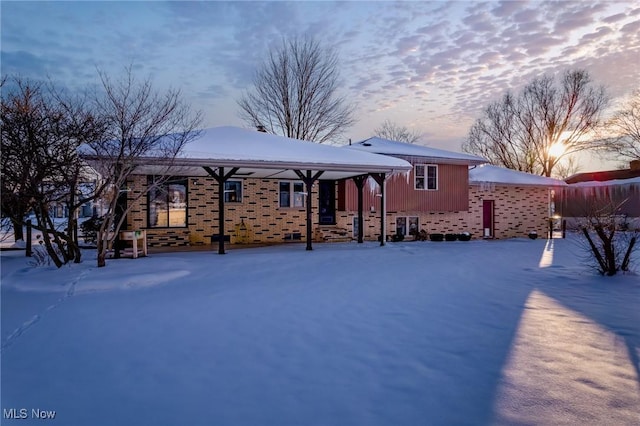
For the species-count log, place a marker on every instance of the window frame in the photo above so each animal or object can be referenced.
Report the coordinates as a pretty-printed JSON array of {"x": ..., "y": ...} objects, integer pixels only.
[
  {"x": 165, "y": 187},
  {"x": 407, "y": 224},
  {"x": 294, "y": 202},
  {"x": 238, "y": 194},
  {"x": 425, "y": 178}
]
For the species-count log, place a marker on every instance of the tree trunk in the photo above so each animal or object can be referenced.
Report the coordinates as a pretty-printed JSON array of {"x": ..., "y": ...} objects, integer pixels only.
[
  {"x": 102, "y": 252},
  {"x": 18, "y": 234},
  {"x": 627, "y": 256}
]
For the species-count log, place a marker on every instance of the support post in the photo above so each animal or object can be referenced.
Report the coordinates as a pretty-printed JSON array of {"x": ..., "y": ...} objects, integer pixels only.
[
  {"x": 221, "y": 178},
  {"x": 381, "y": 180},
  {"x": 309, "y": 180},
  {"x": 221, "y": 212},
  {"x": 359, "y": 181},
  {"x": 28, "y": 251},
  {"x": 383, "y": 211}
]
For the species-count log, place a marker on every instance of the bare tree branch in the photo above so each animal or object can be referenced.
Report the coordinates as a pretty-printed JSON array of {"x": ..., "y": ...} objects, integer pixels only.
[
  {"x": 395, "y": 132},
  {"x": 295, "y": 93},
  {"x": 140, "y": 123},
  {"x": 41, "y": 132},
  {"x": 624, "y": 125},
  {"x": 522, "y": 131}
]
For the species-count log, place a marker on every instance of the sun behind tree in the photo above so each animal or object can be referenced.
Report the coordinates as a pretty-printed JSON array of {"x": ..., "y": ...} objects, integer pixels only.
[{"x": 520, "y": 130}]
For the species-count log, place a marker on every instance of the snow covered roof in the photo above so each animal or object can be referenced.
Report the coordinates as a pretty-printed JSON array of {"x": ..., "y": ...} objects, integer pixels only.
[
  {"x": 501, "y": 175},
  {"x": 263, "y": 155},
  {"x": 615, "y": 182},
  {"x": 388, "y": 147}
]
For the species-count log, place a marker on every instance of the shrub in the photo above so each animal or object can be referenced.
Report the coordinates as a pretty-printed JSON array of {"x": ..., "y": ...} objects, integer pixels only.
[
  {"x": 90, "y": 228},
  {"x": 397, "y": 237},
  {"x": 464, "y": 236},
  {"x": 436, "y": 237},
  {"x": 450, "y": 237}
]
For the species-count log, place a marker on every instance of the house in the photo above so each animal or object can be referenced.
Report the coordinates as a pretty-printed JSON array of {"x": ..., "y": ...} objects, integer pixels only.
[
  {"x": 606, "y": 192},
  {"x": 242, "y": 187},
  {"x": 449, "y": 192}
]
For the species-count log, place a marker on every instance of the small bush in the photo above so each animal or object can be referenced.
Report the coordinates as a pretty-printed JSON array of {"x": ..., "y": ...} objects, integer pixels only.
[
  {"x": 465, "y": 236},
  {"x": 40, "y": 256},
  {"x": 450, "y": 237},
  {"x": 436, "y": 237},
  {"x": 90, "y": 228},
  {"x": 533, "y": 235}
]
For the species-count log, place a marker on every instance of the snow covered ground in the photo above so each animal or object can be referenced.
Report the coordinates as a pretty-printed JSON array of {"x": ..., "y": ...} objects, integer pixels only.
[{"x": 414, "y": 333}]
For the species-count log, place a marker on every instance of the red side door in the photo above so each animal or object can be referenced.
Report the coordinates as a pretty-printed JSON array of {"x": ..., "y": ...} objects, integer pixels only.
[{"x": 487, "y": 218}]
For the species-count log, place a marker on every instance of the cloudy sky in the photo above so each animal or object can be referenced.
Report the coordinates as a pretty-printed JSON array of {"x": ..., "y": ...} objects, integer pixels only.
[{"x": 431, "y": 66}]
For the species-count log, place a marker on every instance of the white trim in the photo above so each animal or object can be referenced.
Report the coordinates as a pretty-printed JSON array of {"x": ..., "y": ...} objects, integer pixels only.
[
  {"x": 425, "y": 177},
  {"x": 292, "y": 195}
]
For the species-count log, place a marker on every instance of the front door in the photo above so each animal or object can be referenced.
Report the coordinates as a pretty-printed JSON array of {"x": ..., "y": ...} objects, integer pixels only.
[
  {"x": 487, "y": 218},
  {"x": 327, "y": 202}
]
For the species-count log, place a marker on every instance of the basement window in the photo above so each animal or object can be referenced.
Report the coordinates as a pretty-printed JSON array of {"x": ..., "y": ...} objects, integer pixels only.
[{"x": 407, "y": 225}]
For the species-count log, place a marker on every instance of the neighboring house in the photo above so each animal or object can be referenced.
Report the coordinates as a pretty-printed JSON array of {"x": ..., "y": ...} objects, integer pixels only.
[
  {"x": 252, "y": 187},
  {"x": 602, "y": 193},
  {"x": 449, "y": 192}
]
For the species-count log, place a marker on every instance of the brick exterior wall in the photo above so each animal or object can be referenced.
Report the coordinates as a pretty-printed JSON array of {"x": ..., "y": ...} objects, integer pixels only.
[
  {"x": 517, "y": 210},
  {"x": 264, "y": 221}
]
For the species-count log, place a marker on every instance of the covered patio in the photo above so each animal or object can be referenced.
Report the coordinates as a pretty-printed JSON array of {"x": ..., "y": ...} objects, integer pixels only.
[{"x": 231, "y": 152}]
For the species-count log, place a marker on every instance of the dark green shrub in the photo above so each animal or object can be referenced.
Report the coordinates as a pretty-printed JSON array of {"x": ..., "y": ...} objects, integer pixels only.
[
  {"x": 397, "y": 237},
  {"x": 464, "y": 236},
  {"x": 90, "y": 228},
  {"x": 436, "y": 237},
  {"x": 450, "y": 237}
]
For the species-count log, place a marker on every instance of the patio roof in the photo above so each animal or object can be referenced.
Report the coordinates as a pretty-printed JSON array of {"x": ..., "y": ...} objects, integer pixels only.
[{"x": 263, "y": 155}]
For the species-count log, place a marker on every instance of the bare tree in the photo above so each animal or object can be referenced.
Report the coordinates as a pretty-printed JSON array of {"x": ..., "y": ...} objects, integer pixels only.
[
  {"x": 41, "y": 132},
  {"x": 568, "y": 167},
  {"x": 535, "y": 129},
  {"x": 395, "y": 132},
  {"x": 608, "y": 240},
  {"x": 295, "y": 93},
  {"x": 142, "y": 125},
  {"x": 625, "y": 126}
]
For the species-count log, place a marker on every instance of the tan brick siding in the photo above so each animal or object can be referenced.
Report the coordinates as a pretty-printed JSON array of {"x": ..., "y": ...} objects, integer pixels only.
[
  {"x": 264, "y": 221},
  {"x": 517, "y": 210}
]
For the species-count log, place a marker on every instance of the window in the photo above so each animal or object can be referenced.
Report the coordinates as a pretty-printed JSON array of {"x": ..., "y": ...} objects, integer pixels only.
[
  {"x": 167, "y": 204},
  {"x": 292, "y": 194},
  {"x": 407, "y": 225},
  {"x": 355, "y": 227},
  {"x": 426, "y": 176},
  {"x": 233, "y": 191}
]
